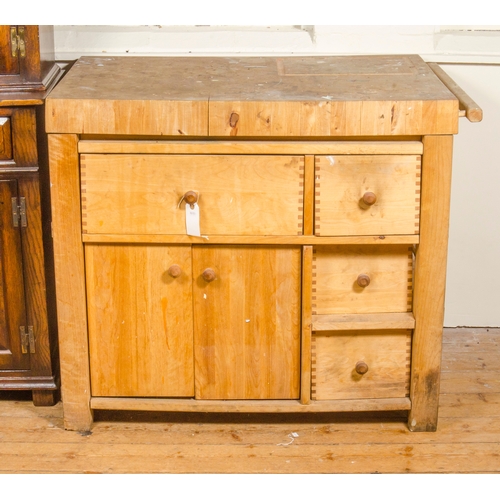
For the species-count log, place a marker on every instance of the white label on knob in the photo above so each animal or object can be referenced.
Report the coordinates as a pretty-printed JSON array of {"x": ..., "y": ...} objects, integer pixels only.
[{"x": 193, "y": 220}]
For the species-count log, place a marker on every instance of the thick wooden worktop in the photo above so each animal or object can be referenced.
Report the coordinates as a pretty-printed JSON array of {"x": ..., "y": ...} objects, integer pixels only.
[{"x": 253, "y": 97}]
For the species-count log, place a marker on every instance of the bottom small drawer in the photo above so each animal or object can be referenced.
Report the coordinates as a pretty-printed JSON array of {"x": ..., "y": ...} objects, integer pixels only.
[{"x": 360, "y": 364}]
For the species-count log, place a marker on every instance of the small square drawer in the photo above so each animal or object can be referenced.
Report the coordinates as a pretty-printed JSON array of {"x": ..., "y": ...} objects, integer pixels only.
[
  {"x": 237, "y": 194},
  {"x": 362, "y": 279},
  {"x": 358, "y": 364},
  {"x": 5, "y": 138},
  {"x": 367, "y": 195}
]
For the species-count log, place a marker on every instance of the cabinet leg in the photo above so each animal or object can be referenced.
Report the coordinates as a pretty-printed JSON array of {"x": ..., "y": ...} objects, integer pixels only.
[
  {"x": 45, "y": 398},
  {"x": 430, "y": 280}
]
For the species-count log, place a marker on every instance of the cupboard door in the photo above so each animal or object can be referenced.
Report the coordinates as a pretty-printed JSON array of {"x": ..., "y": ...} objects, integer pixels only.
[
  {"x": 140, "y": 320},
  {"x": 12, "y": 299},
  {"x": 246, "y": 322}
]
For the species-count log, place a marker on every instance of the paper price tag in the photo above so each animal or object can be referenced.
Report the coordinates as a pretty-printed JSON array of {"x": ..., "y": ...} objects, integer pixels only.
[{"x": 193, "y": 220}]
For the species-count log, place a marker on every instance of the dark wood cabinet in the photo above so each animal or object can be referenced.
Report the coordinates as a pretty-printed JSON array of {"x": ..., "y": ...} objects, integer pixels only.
[{"x": 28, "y": 330}]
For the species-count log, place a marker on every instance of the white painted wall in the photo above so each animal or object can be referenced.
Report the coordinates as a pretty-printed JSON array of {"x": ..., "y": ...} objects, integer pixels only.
[{"x": 473, "y": 57}]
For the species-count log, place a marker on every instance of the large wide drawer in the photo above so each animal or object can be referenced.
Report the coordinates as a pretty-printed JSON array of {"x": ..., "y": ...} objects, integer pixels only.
[
  {"x": 237, "y": 194},
  {"x": 367, "y": 195},
  {"x": 359, "y": 364}
]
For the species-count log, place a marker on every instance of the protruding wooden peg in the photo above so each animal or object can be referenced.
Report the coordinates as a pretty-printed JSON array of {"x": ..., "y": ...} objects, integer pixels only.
[
  {"x": 361, "y": 367},
  {"x": 209, "y": 275},
  {"x": 175, "y": 270},
  {"x": 191, "y": 197},
  {"x": 363, "y": 280},
  {"x": 368, "y": 199}
]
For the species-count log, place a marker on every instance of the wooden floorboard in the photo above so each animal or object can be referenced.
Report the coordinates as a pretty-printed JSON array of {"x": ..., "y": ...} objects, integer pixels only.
[{"x": 33, "y": 440}]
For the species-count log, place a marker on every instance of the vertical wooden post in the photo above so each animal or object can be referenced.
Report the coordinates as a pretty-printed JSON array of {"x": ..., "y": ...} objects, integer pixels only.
[
  {"x": 70, "y": 280},
  {"x": 429, "y": 286},
  {"x": 305, "y": 365},
  {"x": 307, "y": 256}
]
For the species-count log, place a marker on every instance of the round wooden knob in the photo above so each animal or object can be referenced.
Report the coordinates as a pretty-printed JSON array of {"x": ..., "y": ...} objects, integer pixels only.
[
  {"x": 361, "y": 367},
  {"x": 191, "y": 198},
  {"x": 174, "y": 270},
  {"x": 363, "y": 280},
  {"x": 209, "y": 275},
  {"x": 369, "y": 198}
]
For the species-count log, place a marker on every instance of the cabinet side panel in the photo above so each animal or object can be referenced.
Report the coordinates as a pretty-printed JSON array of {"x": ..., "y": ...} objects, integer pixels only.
[{"x": 70, "y": 281}]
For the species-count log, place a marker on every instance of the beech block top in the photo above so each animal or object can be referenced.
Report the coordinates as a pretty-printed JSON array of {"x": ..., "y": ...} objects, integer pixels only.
[{"x": 252, "y": 97}]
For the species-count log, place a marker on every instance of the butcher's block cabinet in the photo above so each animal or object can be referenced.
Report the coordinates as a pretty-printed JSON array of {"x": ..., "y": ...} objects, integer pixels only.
[{"x": 252, "y": 234}]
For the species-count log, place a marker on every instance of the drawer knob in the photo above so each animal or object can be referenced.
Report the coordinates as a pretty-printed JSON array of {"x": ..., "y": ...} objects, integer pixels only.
[
  {"x": 209, "y": 275},
  {"x": 191, "y": 197},
  {"x": 368, "y": 199},
  {"x": 175, "y": 270},
  {"x": 361, "y": 367},
  {"x": 363, "y": 280}
]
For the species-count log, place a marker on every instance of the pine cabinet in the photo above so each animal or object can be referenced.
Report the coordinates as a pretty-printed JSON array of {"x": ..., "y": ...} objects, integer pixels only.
[{"x": 252, "y": 234}]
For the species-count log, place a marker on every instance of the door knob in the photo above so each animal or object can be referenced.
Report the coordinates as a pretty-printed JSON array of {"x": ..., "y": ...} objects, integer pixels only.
[
  {"x": 209, "y": 275},
  {"x": 175, "y": 270}
]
